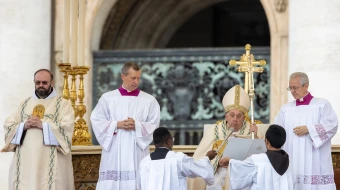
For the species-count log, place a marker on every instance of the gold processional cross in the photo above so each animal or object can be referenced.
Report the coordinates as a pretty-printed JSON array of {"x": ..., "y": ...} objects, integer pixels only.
[{"x": 247, "y": 64}]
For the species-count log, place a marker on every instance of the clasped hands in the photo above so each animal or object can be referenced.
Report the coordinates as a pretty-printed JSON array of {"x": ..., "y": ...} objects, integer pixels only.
[
  {"x": 33, "y": 122},
  {"x": 127, "y": 124},
  {"x": 301, "y": 130}
]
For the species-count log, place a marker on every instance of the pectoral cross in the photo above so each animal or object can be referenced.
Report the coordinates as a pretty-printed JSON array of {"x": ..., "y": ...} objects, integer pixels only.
[{"x": 247, "y": 64}]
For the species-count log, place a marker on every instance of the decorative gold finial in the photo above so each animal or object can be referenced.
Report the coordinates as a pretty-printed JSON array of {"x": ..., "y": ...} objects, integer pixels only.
[{"x": 247, "y": 47}]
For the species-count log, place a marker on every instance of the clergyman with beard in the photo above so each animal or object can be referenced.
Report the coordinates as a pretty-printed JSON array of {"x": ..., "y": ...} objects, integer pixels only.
[{"x": 40, "y": 133}]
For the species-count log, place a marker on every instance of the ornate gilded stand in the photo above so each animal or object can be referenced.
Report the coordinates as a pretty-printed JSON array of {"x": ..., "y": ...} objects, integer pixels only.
[{"x": 81, "y": 134}]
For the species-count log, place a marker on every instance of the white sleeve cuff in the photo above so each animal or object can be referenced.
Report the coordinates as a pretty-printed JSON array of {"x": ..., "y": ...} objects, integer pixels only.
[
  {"x": 17, "y": 138},
  {"x": 109, "y": 136},
  {"x": 49, "y": 137}
]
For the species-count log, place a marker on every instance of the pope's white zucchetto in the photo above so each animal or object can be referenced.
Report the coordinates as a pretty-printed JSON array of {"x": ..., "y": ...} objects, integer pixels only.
[{"x": 236, "y": 98}]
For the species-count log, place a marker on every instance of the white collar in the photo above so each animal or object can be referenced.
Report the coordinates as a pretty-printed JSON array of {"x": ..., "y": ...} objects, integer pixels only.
[
  {"x": 126, "y": 89},
  {"x": 165, "y": 148},
  {"x": 301, "y": 99}
]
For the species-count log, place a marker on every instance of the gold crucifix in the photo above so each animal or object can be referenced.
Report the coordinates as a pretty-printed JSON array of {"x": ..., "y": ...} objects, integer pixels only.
[{"x": 248, "y": 66}]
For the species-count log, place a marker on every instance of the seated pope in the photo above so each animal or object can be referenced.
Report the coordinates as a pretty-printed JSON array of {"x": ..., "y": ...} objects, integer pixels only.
[{"x": 236, "y": 103}]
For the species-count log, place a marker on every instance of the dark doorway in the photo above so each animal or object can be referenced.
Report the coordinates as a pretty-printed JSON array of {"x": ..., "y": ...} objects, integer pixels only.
[{"x": 227, "y": 24}]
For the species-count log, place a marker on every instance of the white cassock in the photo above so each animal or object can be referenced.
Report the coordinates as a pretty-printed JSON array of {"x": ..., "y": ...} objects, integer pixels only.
[
  {"x": 257, "y": 173},
  {"x": 123, "y": 149},
  {"x": 170, "y": 173},
  {"x": 311, "y": 153}
]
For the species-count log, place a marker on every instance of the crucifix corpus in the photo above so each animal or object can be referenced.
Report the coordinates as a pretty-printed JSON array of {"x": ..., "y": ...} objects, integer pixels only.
[{"x": 249, "y": 65}]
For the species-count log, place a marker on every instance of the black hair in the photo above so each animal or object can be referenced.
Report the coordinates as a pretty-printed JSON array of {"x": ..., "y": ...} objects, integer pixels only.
[
  {"x": 46, "y": 70},
  {"x": 161, "y": 135},
  {"x": 276, "y": 135}
]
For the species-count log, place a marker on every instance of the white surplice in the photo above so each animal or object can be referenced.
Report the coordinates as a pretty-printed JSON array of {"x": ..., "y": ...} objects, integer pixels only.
[
  {"x": 257, "y": 173},
  {"x": 311, "y": 153},
  {"x": 170, "y": 173},
  {"x": 122, "y": 149}
]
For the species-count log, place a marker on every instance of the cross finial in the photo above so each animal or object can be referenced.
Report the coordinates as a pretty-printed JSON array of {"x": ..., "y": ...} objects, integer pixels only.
[{"x": 247, "y": 64}]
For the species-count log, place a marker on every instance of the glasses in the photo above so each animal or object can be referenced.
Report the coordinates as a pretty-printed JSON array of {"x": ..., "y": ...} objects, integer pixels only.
[
  {"x": 295, "y": 88},
  {"x": 42, "y": 82}
]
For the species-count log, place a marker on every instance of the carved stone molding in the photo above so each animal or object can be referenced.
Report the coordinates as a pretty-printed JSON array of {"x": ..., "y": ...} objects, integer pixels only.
[
  {"x": 85, "y": 169},
  {"x": 336, "y": 159},
  {"x": 336, "y": 156},
  {"x": 281, "y": 5}
]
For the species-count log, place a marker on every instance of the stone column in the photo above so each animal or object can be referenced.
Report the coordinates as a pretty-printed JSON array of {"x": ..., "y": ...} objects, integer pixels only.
[
  {"x": 25, "y": 46},
  {"x": 314, "y": 47},
  {"x": 277, "y": 15}
]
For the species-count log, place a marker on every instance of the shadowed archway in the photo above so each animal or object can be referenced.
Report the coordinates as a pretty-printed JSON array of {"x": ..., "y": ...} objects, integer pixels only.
[{"x": 147, "y": 24}]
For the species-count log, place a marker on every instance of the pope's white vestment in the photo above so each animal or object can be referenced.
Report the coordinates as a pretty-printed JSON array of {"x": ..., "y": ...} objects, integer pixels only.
[{"x": 123, "y": 149}]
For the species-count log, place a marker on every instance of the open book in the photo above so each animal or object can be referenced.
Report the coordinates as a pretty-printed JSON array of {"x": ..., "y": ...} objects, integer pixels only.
[{"x": 241, "y": 148}]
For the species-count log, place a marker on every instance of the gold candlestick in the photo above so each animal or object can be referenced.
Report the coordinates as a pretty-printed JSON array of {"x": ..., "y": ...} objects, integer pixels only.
[
  {"x": 65, "y": 68},
  {"x": 73, "y": 96},
  {"x": 81, "y": 135}
]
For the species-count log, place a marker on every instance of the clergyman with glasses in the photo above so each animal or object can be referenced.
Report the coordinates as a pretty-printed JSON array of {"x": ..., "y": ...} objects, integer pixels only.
[
  {"x": 40, "y": 135},
  {"x": 310, "y": 124}
]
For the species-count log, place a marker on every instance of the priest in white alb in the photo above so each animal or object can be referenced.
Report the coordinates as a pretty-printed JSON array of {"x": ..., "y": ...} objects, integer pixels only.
[
  {"x": 40, "y": 133},
  {"x": 310, "y": 124},
  {"x": 123, "y": 122},
  {"x": 266, "y": 171},
  {"x": 236, "y": 103},
  {"x": 167, "y": 170}
]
